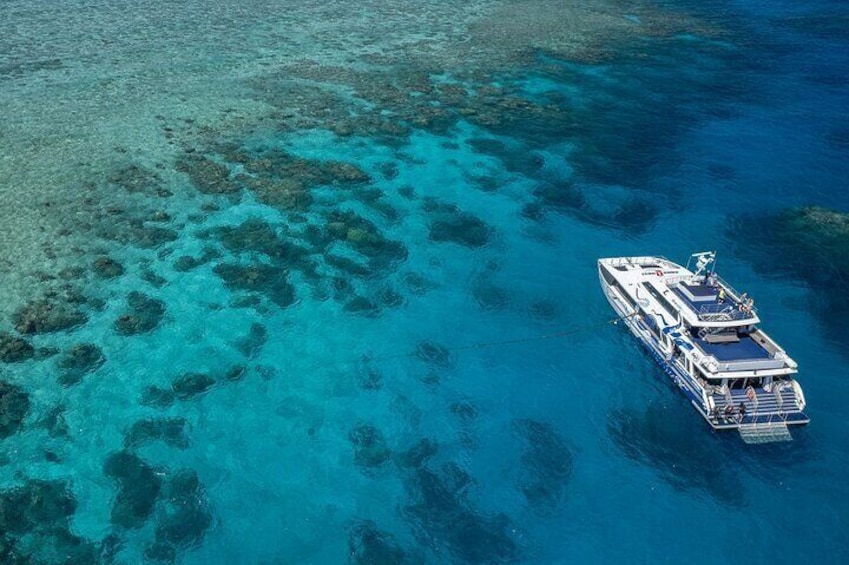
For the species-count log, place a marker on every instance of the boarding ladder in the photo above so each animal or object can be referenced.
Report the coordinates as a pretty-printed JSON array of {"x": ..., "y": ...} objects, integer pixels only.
[{"x": 765, "y": 432}]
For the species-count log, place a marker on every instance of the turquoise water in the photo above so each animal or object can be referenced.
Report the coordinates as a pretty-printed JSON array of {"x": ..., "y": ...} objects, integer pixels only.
[{"x": 281, "y": 308}]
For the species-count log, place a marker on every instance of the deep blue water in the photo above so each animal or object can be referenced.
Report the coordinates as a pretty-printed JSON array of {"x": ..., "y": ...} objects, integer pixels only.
[{"x": 342, "y": 417}]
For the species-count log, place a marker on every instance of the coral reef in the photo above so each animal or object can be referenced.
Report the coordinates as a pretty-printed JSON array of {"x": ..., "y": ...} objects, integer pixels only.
[
  {"x": 144, "y": 314},
  {"x": 171, "y": 431},
  {"x": 138, "y": 489},
  {"x": 14, "y": 349},
  {"x": 189, "y": 385},
  {"x": 79, "y": 361},
  {"x": 370, "y": 450},
  {"x": 14, "y": 405},
  {"x": 546, "y": 465}
]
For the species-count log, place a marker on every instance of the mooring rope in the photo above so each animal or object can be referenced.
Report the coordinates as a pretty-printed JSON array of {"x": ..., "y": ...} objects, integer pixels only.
[
  {"x": 514, "y": 341},
  {"x": 564, "y": 333}
]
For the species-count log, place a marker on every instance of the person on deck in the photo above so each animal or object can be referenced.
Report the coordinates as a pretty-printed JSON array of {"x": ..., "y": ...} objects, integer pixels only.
[{"x": 741, "y": 412}]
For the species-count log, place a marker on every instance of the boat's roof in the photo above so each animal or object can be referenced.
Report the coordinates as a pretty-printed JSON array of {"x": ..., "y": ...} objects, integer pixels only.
[
  {"x": 674, "y": 290},
  {"x": 718, "y": 333}
]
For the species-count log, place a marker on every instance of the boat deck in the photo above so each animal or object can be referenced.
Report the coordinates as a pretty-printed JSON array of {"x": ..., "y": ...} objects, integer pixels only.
[
  {"x": 744, "y": 349},
  {"x": 771, "y": 408},
  {"x": 707, "y": 302}
]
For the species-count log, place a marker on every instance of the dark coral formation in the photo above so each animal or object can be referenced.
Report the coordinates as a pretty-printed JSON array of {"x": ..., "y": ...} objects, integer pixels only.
[
  {"x": 128, "y": 226},
  {"x": 417, "y": 455},
  {"x": 138, "y": 489},
  {"x": 14, "y": 349},
  {"x": 144, "y": 314},
  {"x": 434, "y": 354},
  {"x": 270, "y": 281},
  {"x": 157, "y": 397},
  {"x": 236, "y": 373},
  {"x": 187, "y": 263},
  {"x": 189, "y": 385},
  {"x": 35, "y": 525},
  {"x": 251, "y": 344},
  {"x": 447, "y": 521},
  {"x": 135, "y": 179},
  {"x": 277, "y": 164},
  {"x": 370, "y": 450},
  {"x": 171, "y": 431},
  {"x": 450, "y": 224},
  {"x": 14, "y": 405},
  {"x": 79, "y": 361},
  {"x": 490, "y": 298},
  {"x": 161, "y": 553},
  {"x": 367, "y": 545},
  {"x": 207, "y": 176},
  {"x": 816, "y": 240},
  {"x": 34, "y": 504},
  {"x": 53, "y": 312},
  {"x": 362, "y": 306},
  {"x": 346, "y": 265},
  {"x": 369, "y": 377},
  {"x": 417, "y": 284},
  {"x": 107, "y": 268},
  {"x": 55, "y": 422},
  {"x": 809, "y": 244},
  {"x": 365, "y": 238},
  {"x": 542, "y": 310},
  {"x": 635, "y": 215},
  {"x": 546, "y": 465},
  {"x": 186, "y": 512},
  {"x": 257, "y": 236},
  {"x": 632, "y": 213}
]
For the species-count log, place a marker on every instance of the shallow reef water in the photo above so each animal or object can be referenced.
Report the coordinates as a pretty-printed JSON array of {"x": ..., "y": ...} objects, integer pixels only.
[{"x": 274, "y": 275}]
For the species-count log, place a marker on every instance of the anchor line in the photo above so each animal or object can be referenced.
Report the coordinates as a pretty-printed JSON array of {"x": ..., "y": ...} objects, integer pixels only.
[
  {"x": 485, "y": 344},
  {"x": 542, "y": 337}
]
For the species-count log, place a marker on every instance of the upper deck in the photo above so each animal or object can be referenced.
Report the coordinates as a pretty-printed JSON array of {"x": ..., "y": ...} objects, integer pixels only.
[
  {"x": 697, "y": 313},
  {"x": 701, "y": 300}
]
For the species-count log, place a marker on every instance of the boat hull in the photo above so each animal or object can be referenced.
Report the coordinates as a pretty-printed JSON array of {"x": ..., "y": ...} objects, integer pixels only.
[{"x": 678, "y": 375}]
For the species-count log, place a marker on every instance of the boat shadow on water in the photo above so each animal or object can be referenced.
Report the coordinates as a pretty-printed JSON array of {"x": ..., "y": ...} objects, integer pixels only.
[
  {"x": 691, "y": 457},
  {"x": 663, "y": 440}
]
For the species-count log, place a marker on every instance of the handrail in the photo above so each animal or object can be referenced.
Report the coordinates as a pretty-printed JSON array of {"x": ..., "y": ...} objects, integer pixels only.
[
  {"x": 715, "y": 312},
  {"x": 800, "y": 396},
  {"x": 669, "y": 281},
  {"x": 733, "y": 292},
  {"x": 616, "y": 261},
  {"x": 704, "y": 397}
]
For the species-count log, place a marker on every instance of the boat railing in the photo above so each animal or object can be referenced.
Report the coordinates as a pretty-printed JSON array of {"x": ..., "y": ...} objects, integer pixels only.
[
  {"x": 618, "y": 261},
  {"x": 706, "y": 398},
  {"x": 677, "y": 279},
  {"x": 733, "y": 292},
  {"x": 725, "y": 312},
  {"x": 800, "y": 396}
]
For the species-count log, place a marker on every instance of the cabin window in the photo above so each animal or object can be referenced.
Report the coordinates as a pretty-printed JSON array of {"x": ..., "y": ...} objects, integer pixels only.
[{"x": 755, "y": 382}]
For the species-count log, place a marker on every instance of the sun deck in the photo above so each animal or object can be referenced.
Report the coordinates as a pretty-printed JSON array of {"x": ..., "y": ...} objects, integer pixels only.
[
  {"x": 703, "y": 300},
  {"x": 744, "y": 349},
  {"x": 762, "y": 407}
]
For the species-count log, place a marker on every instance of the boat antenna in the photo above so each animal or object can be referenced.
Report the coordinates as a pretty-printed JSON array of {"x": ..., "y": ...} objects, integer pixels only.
[{"x": 705, "y": 262}]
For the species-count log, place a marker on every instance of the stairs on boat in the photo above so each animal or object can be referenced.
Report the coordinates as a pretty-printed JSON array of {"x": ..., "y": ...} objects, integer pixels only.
[
  {"x": 765, "y": 433},
  {"x": 768, "y": 402}
]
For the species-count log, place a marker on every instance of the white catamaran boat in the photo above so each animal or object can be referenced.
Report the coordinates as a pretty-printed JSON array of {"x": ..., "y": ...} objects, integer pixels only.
[{"x": 705, "y": 335}]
